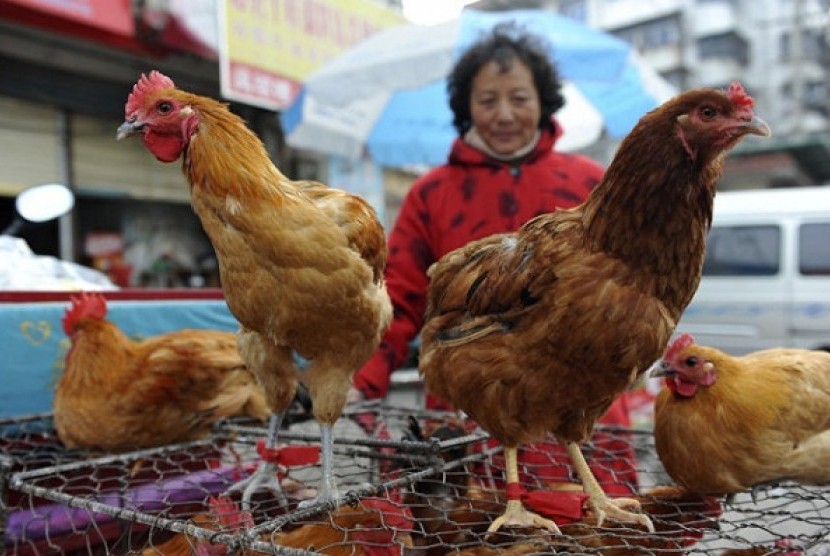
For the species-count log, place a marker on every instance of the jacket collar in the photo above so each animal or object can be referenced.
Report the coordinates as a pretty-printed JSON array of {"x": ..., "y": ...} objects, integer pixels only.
[{"x": 464, "y": 154}]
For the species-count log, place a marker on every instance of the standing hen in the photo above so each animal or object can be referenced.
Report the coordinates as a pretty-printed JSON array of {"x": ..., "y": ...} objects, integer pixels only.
[
  {"x": 536, "y": 332},
  {"x": 117, "y": 394},
  {"x": 724, "y": 424},
  {"x": 300, "y": 264}
]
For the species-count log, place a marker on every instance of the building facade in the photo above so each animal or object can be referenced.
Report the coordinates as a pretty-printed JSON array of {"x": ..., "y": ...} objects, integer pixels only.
[
  {"x": 64, "y": 78},
  {"x": 777, "y": 48},
  {"x": 65, "y": 72}
]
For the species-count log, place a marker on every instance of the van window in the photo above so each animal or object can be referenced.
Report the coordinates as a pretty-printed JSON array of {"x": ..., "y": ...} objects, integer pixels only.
[
  {"x": 814, "y": 249},
  {"x": 743, "y": 251}
]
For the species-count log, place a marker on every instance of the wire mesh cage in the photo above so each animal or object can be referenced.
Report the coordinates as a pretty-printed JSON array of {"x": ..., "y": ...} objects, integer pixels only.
[{"x": 413, "y": 482}]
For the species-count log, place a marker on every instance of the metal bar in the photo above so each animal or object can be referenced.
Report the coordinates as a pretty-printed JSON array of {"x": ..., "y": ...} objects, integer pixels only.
[
  {"x": 178, "y": 526},
  {"x": 66, "y": 223},
  {"x": 107, "y": 460},
  {"x": 426, "y": 446}
]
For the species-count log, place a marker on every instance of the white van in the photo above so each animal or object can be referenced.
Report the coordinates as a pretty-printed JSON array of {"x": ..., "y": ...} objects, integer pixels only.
[{"x": 766, "y": 279}]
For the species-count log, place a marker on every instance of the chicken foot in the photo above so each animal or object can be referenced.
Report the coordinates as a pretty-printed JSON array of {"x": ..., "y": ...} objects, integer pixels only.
[
  {"x": 516, "y": 515},
  {"x": 265, "y": 475},
  {"x": 616, "y": 508},
  {"x": 328, "y": 487}
]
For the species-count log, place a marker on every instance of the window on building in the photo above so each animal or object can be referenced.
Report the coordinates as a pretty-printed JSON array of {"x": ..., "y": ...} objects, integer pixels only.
[
  {"x": 725, "y": 45},
  {"x": 677, "y": 77},
  {"x": 652, "y": 34},
  {"x": 814, "y": 45},
  {"x": 813, "y": 249},
  {"x": 659, "y": 33},
  {"x": 630, "y": 37},
  {"x": 816, "y": 97},
  {"x": 784, "y": 47},
  {"x": 815, "y": 92},
  {"x": 743, "y": 251}
]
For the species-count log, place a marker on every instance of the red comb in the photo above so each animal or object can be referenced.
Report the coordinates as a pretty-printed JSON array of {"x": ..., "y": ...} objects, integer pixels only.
[
  {"x": 92, "y": 305},
  {"x": 679, "y": 344},
  {"x": 738, "y": 95},
  {"x": 146, "y": 84}
]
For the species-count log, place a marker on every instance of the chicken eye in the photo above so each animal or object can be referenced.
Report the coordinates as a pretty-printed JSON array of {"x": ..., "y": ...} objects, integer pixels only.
[
  {"x": 690, "y": 361},
  {"x": 708, "y": 112},
  {"x": 164, "y": 107}
]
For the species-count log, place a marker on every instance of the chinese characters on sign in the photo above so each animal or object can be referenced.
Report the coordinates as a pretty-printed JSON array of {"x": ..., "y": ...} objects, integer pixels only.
[
  {"x": 260, "y": 84},
  {"x": 267, "y": 47}
]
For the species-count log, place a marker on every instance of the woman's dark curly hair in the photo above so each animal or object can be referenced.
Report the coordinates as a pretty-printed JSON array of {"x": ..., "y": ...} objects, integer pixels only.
[{"x": 505, "y": 43}]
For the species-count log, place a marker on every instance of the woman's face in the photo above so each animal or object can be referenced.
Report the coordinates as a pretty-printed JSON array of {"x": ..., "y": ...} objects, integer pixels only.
[{"x": 504, "y": 106}]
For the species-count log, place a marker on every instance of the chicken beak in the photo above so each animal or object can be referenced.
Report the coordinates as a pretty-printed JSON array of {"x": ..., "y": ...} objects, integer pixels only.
[
  {"x": 757, "y": 126},
  {"x": 659, "y": 369},
  {"x": 128, "y": 128}
]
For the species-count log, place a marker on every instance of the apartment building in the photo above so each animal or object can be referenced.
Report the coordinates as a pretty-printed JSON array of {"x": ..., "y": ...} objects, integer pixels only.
[{"x": 777, "y": 48}]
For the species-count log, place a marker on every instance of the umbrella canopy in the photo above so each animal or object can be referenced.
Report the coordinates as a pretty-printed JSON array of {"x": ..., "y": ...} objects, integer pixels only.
[{"x": 388, "y": 93}]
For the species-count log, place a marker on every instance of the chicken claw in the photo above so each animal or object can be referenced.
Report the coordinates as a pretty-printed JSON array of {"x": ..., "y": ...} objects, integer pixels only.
[
  {"x": 617, "y": 509},
  {"x": 516, "y": 515},
  {"x": 265, "y": 475},
  {"x": 603, "y": 506}
]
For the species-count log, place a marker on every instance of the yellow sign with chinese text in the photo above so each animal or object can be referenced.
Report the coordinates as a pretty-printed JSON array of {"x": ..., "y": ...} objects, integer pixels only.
[{"x": 267, "y": 47}]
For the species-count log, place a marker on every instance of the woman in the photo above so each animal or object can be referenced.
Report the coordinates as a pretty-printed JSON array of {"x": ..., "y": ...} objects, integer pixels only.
[{"x": 502, "y": 171}]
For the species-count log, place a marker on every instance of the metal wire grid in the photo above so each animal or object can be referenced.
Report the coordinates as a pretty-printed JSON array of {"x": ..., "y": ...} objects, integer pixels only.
[{"x": 57, "y": 501}]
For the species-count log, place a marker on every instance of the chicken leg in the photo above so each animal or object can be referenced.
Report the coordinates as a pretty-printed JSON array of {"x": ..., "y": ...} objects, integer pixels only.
[
  {"x": 265, "y": 475},
  {"x": 600, "y": 503},
  {"x": 328, "y": 486},
  {"x": 516, "y": 515}
]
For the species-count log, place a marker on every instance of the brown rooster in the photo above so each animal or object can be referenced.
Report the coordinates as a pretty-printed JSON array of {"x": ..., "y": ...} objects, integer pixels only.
[
  {"x": 117, "y": 394},
  {"x": 725, "y": 424},
  {"x": 538, "y": 331},
  {"x": 301, "y": 265}
]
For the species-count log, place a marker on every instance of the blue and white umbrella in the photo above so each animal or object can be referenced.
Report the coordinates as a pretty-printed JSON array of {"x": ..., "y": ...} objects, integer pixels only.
[{"x": 387, "y": 95}]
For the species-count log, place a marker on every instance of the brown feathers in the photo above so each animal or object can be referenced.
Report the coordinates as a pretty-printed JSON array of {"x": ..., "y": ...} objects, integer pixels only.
[
  {"x": 758, "y": 418},
  {"x": 540, "y": 330},
  {"x": 301, "y": 264},
  {"x": 117, "y": 394}
]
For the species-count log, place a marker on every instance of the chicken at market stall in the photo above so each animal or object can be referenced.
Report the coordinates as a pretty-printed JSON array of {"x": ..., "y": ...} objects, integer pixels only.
[
  {"x": 301, "y": 265},
  {"x": 538, "y": 331},
  {"x": 118, "y": 394},
  {"x": 726, "y": 424}
]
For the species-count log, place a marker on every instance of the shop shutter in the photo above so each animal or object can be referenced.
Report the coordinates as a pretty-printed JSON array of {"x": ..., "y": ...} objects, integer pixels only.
[{"x": 29, "y": 145}]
